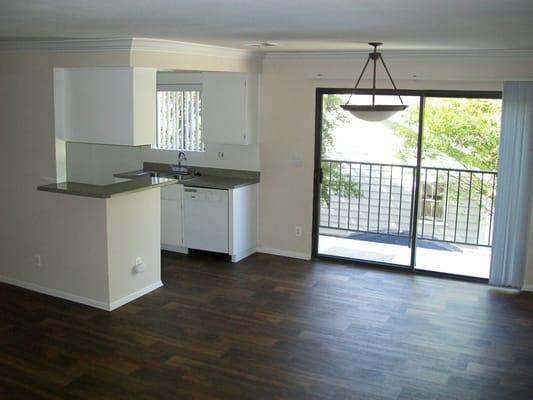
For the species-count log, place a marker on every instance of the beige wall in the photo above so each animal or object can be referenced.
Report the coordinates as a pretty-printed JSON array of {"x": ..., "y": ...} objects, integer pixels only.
[
  {"x": 133, "y": 231},
  {"x": 34, "y": 222},
  {"x": 287, "y": 126},
  {"x": 94, "y": 163}
]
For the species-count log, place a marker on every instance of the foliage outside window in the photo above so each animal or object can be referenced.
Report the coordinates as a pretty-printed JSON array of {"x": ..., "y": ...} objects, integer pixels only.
[
  {"x": 466, "y": 130},
  {"x": 340, "y": 184},
  {"x": 179, "y": 121}
]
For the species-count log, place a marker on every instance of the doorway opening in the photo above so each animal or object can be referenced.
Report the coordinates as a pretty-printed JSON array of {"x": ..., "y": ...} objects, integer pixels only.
[{"x": 416, "y": 191}]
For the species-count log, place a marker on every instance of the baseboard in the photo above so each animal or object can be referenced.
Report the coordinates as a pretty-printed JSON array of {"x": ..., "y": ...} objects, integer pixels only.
[
  {"x": 135, "y": 295},
  {"x": 284, "y": 253},
  {"x": 243, "y": 254},
  {"x": 56, "y": 293},
  {"x": 175, "y": 249},
  {"x": 527, "y": 288}
]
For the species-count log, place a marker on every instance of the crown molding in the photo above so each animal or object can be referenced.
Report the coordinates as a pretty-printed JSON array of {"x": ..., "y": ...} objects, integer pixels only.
[
  {"x": 128, "y": 45},
  {"x": 195, "y": 49},
  {"x": 134, "y": 44},
  {"x": 69, "y": 45},
  {"x": 400, "y": 54}
]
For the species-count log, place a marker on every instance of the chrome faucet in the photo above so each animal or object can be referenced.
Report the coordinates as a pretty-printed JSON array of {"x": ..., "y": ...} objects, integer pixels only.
[
  {"x": 181, "y": 157},
  {"x": 179, "y": 169}
]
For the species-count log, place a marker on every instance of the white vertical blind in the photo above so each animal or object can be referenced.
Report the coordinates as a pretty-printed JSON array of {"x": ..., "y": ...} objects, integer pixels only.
[
  {"x": 510, "y": 242},
  {"x": 179, "y": 125}
]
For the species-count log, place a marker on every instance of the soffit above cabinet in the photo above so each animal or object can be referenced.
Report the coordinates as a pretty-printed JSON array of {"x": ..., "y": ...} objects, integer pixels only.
[{"x": 105, "y": 105}]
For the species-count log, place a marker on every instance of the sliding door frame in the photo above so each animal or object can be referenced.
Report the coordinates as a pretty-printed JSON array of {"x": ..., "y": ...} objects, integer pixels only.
[{"x": 423, "y": 94}]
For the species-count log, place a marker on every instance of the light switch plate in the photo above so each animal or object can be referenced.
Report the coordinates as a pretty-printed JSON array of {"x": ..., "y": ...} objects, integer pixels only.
[{"x": 296, "y": 159}]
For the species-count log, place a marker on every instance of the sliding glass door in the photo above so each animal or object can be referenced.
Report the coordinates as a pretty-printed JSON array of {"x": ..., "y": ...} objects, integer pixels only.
[
  {"x": 414, "y": 191},
  {"x": 458, "y": 178},
  {"x": 367, "y": 189}
]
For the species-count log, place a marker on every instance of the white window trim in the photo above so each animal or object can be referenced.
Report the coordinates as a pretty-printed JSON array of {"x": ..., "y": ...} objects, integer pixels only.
[{"x": 179, "y": 87}]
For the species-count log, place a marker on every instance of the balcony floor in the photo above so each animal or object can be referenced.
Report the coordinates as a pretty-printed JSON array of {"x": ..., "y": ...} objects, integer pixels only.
[{"x": 450, "y": 258}]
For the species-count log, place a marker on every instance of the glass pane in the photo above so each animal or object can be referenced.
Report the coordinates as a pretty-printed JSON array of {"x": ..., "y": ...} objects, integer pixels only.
[
  {"x": 367, "y": 189},
  {"x": 179, "y": 125},
  {"x": 458, "y": 182}
]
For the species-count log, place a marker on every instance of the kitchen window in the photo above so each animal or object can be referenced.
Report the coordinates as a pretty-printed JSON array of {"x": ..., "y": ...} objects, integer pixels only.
[{"x": 179, "y": 121}]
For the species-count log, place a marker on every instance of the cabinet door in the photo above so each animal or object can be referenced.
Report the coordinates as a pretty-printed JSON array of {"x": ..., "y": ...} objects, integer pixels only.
[
  {"x": 181, "y": 228},
  {"x": 172, "y": 216},
  {"x": 225, "y": 108},
  {"x": 170, "y": 234}
]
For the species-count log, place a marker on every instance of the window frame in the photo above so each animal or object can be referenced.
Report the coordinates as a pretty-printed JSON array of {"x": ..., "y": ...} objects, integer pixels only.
[{"x": 317, "y": 175}]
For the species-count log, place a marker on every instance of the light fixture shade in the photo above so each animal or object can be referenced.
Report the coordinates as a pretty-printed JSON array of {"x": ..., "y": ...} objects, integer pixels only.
[{"x": 374, "y": 113}]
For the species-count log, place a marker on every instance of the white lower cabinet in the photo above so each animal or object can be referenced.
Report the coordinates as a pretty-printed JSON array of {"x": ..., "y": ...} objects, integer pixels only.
[
  {"x": 242, "y": 221},
  {"x": 223, "y": 221},
  {"x": 172, "y": 218}
]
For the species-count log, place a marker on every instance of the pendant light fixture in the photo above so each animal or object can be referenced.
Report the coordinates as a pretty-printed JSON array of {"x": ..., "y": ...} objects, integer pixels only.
[{"x": 374, "y": 112}]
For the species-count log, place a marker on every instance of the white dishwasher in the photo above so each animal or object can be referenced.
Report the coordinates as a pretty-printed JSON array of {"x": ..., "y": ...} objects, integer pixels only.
[{"x": 206, "y": 219}]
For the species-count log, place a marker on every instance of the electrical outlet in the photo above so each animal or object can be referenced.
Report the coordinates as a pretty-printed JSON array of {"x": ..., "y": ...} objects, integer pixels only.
[
  {"x": 298, "y": 231},
  {"x": 37, "y": 260},
  {"x": 220, "y": 154},
  {"x": 138, "y": 268}
]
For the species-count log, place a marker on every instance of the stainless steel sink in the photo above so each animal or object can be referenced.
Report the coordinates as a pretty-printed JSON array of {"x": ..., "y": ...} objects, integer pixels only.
[
  {"x": 181, "y": 177},
  {"x": 178, "y": 176},
  {"x": 141, "y": 174},
  {"x": 157, "y": 174}
]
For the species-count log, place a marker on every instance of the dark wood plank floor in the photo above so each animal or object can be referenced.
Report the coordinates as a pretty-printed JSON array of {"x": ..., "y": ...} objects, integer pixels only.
[{"x": 272, "y": 328}]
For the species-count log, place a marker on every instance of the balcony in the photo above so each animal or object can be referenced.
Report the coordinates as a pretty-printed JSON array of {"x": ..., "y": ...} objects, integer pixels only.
[{"x": 366, "y": 213}]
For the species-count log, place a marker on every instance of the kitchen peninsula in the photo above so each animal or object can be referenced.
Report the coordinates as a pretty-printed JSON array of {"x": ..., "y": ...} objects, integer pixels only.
[{"x": 118, "y": 225}]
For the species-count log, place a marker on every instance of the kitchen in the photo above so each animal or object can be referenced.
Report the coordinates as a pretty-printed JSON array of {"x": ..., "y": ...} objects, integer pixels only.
[{"x": 198, "y": 205}]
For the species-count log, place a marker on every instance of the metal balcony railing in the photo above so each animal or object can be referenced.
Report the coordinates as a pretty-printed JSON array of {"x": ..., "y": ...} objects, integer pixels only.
[{"x": 455, "y": 205}]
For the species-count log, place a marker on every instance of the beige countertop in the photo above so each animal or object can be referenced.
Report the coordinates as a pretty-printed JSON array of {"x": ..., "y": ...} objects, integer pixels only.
[{"x": 106, "y": 191}]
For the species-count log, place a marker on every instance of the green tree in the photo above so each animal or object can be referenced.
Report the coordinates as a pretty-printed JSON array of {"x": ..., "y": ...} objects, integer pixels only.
[
  {"x": 332, "y": 117},
  {"x": 466, "y": 130}
]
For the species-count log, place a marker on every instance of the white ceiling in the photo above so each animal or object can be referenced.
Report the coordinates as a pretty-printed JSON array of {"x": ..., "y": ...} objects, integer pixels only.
[{"x": 293, "y": 24}]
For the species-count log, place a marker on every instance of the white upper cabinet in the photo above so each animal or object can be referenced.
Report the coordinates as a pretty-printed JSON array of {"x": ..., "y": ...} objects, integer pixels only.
[
  {"x": 229, "y": 107},
  {"x": 105, "y": 105}
]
